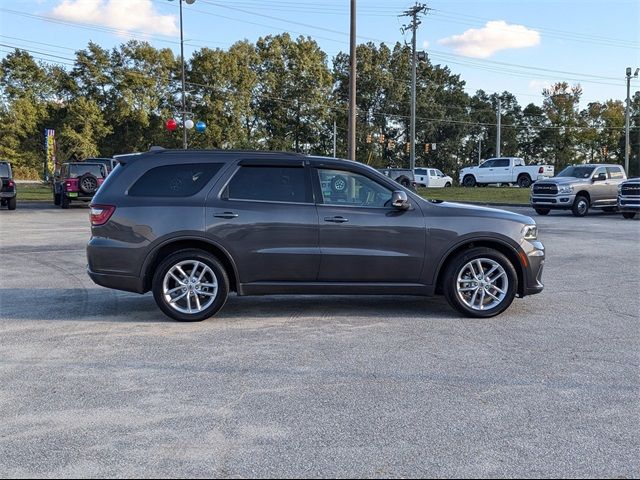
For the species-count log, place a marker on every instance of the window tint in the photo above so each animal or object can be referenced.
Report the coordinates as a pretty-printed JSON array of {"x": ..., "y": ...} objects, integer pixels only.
[
  {"x": 488, "y": 164},
  {"x": 348, "y": 188},
  {"x": 503, "y": 162},
  {"x": 432, "y": 173},
  {"x": 270, "y": 184},
  {"x": 76, "y": 170},
  {"x": 439, "y": 173},
  {"x": 615, "y": 172},
  {"x": 421, "y": 171},
  {"x": 4, "y": 170},
  {"x": 181, "y": 180}
]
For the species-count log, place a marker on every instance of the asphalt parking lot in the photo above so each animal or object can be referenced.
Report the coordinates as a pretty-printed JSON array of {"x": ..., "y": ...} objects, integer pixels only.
[{"x": 95, "y": 382}]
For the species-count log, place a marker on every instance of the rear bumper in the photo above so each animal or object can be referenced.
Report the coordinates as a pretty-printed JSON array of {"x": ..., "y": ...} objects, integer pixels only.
[
  {"x": 78, "y": 196},
  {"x": 8, "y": 194},
  {"x": 118, "y": 282}
]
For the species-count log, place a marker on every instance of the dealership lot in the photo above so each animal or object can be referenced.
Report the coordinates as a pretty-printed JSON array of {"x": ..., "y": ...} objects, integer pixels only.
[{"x": 95, "y": 382}]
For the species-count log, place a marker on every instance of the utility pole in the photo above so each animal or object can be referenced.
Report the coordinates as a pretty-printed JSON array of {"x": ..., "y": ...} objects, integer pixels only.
[
  {"x": 184, "y": 103},
  {"x": 479, "y": 149},
  {"x": 352, "y": 85},
  {"x": 334, "y": 137},
  {"x": 627, "y": 143},
  {"x": 499, "y": 127},
  {"x": 413, "y": 12}
]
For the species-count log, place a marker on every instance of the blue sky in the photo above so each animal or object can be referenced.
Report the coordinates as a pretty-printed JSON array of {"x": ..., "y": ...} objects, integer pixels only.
[{"x": 515, "y": 45}]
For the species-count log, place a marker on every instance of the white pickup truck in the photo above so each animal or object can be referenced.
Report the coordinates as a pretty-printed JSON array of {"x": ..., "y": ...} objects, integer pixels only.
[{"x": 504, "y": 170}]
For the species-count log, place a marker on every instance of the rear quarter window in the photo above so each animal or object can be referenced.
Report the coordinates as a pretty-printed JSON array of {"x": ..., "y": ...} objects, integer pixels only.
[
  {"x": 182, "y": 180},
  {"x": 615, "y": 172}
]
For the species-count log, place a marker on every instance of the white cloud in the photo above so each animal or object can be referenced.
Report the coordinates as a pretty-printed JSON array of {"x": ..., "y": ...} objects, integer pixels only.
[
  {"x": 426, "y": 44},
  {"x": 496, "y": 35},
  {"x": 128, "y": 16},
  {"x": 539, "y": 85}
]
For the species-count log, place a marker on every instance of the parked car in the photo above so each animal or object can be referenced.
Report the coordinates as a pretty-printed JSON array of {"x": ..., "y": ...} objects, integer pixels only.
[
  {"x": 404, "y": 176},
  {"x": 629, "y": 197},
  {"x": 77, "y": 181},
  {"x": 8, "y": 191},
  {"x": 191, "y": 226},
  {"x": 504, "y": 170},
  {"x": 431, "y": 178},
  {"x": 578, "y": 188},
  {"x": 109, "y": 163}
]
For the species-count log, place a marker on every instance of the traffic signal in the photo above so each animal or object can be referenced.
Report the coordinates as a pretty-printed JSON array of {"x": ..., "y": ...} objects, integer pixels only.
[
  {"x": 426, "y": 148},
  {"x": 369, "y": 138},
  {"x": 407, "y": 147},
  {"x": 381, "y": 139}
]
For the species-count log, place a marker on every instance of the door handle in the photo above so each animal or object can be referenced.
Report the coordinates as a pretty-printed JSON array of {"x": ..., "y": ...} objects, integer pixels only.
[
  {"x": 336, "y": 219},
  {"x": 225, "y": 215}
]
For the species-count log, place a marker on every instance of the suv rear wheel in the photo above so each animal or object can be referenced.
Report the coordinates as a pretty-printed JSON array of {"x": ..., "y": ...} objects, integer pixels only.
[
  {"x": 64, "y": 201},
  {"x": 190, "y": 285},
  {"x": 480, "y": 282},
  {"x": 11, "y": 203}
]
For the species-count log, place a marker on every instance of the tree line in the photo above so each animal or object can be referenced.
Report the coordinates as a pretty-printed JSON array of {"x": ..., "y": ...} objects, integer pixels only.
[{"x": 283, "y": 93}]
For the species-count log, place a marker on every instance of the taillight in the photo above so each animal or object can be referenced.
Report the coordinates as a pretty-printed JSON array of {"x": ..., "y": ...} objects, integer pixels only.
[
  {"x": 541, "y": 170},
  {"x": 100, "y": 214},
  {"x": 11, "y": 184}
]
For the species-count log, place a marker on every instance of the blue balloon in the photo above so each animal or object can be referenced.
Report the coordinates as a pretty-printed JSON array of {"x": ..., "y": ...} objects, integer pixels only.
[{"x": 200, "y": 127}]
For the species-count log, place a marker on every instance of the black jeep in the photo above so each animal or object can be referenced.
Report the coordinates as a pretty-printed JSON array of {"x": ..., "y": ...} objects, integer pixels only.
[
  {"x": 8, "y": 192},
  {"x": 77, "y": 181}
]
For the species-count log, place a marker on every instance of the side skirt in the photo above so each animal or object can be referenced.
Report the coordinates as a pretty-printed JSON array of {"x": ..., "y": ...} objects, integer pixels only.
[{"x": 334, "y": 288}]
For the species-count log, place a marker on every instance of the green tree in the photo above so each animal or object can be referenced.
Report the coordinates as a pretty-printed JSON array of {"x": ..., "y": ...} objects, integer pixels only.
[
  {"x": 82, "y": 129},
  {"x": 560, "y": 105}
]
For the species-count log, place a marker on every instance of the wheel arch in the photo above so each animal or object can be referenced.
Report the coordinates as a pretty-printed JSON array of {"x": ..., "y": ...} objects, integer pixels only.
[
  {"x": 584, "y": 193},
  {"x": 174, "y": 245},
  {"x": 501, "y": 246}
]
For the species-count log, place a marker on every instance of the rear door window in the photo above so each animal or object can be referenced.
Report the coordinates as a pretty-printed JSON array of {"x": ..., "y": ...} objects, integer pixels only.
[
  {"x": 501, "y": 162},
  {"x": 270, "y": 184},
  {"x": 4, "y": 170},
  {"x": 180, "y": 180},
  {"x": 615, "y": 172},
  {"x": 96, "y": 170}
]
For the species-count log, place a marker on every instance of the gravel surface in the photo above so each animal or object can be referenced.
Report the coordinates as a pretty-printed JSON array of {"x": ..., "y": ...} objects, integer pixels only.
[{"x": 95, "y": 382}]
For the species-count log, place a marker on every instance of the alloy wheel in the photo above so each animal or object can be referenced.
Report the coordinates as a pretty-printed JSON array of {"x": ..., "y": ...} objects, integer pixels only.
[{"x": 482, "y": 284}]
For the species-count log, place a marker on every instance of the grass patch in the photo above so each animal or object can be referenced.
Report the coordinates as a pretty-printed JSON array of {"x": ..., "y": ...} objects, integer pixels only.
[
  {"x": 34, "y": 192},
  {"x": 513, "y": 195}
]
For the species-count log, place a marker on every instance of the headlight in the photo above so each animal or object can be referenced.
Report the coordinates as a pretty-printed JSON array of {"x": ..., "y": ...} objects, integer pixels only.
[
  {"x": 567, "y": 189},
  {"x": 530, "y": 232}
]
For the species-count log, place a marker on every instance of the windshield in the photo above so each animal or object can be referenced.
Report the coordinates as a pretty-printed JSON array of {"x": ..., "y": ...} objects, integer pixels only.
[
  {"x": 79, "y": 170},
  {"x": 4, "y": 170},
  {"x": 576, "y": 172}
]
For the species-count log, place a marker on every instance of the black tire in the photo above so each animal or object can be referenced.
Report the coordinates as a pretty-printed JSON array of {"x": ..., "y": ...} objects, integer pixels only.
[
  {"x": 405, "y": 182},
  {"x": 524, "y": 181},
  {"x": 447, "y": 185},
  {"x": 457, "y": 264},
  {"x": 580, "y": 206},
  {"x": 12, "y": 203},
  {"x": 56, "y": 199},
  {"x": 628, "y": 214},
  {"x": 339, "y": 184},
  {"x": 190, "y": 255},
  {"x": 64, "y": 201},
  {"x": 88, "y": 184},
  {"x": 542, "y": 211},
  {"x": 469, "y": 181}
]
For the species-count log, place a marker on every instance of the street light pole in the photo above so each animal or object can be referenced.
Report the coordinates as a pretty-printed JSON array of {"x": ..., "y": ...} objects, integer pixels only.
[
  {"x": 351, "y": 140},
  {"x": 627, "y": 143},
  {"x": 184, "y": 104}
]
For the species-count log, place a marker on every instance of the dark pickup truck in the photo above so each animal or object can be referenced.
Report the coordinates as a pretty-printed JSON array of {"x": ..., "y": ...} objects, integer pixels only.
[{"x": 8, "y": 192}]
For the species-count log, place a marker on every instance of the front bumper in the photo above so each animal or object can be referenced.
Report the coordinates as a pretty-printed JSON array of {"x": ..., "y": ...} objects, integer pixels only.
[
  {"x": 533, "y": 264},
  {"x": 628, "y": 204},
  {"x": 559, "y": 202}
]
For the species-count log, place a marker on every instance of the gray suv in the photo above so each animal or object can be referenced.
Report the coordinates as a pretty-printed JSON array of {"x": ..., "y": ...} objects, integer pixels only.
[
  {"x": 578, "y": 188},
  {"x": 192, "y": 226}
]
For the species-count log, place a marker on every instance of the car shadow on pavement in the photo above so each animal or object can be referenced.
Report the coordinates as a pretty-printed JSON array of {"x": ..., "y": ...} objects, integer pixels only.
[{"x": 95, "y": 305}]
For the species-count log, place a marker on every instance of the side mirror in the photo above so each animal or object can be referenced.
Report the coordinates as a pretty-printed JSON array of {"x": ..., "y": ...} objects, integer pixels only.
[
  {"x": 400, "y": 200},
  {"x": 600, "y": 177}
]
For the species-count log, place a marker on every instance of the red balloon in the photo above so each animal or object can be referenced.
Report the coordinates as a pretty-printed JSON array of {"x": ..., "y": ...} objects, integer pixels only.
[{"x": 171, "y": 124}]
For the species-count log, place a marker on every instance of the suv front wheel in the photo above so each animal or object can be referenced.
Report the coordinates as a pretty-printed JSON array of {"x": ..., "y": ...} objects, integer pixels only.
[
  {"x": 190, "y": 285},
  {"x": 480, "y": 282}
]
